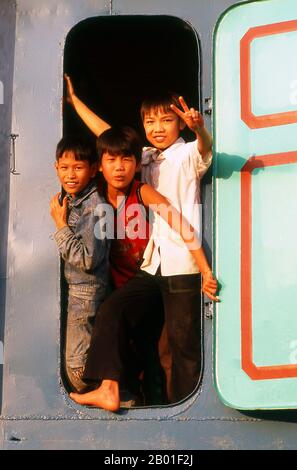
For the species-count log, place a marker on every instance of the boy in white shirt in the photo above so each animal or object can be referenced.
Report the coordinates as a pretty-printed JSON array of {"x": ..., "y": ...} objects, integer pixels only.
[{"x": 174, "y": 168}]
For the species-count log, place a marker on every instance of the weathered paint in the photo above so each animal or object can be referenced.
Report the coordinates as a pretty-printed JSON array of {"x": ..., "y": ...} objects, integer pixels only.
[{"x": 36, "y": 412}]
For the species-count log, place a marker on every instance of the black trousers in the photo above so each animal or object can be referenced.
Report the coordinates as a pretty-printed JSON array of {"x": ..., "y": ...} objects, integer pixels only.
[{"x": 127, "y": 307}]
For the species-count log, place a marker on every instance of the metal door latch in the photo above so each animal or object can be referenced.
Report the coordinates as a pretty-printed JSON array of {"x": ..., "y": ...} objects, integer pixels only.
[
  {"x": 208, "y": 311},
  {"x": 13, "y": 170},
  {"x": 208, "y": 110}
]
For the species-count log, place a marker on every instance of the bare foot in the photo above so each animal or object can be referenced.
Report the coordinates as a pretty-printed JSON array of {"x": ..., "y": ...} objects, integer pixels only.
[{"x": 107, "y": 396}]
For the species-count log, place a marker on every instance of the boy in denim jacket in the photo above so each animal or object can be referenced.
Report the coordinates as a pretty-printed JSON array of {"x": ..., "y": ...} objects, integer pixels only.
[{"x": 85, "y": 255}]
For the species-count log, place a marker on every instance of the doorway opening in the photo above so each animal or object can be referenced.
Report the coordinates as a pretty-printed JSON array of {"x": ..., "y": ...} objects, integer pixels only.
[{"x": 115, "y": 63}]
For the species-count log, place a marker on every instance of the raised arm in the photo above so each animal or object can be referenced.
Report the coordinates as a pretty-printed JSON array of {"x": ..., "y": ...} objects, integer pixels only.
[
  {"x": 92, "y": 121},
  {"x": 194, "y": 120},
  {"x": 158, "y": 203}
]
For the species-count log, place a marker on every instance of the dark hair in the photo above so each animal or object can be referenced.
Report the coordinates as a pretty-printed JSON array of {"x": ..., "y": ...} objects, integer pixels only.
[
  {"x": 120, "y": 141},
  {"x": 82, "y": 147},
  {"x": 162, "y": 102}
]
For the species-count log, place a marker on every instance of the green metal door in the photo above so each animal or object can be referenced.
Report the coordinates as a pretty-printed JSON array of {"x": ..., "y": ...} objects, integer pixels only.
[{"x": 255, "y": 203}]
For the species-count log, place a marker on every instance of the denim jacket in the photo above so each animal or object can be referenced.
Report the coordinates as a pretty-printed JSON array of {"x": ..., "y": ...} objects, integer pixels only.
[{"x": 85, "y": 255}]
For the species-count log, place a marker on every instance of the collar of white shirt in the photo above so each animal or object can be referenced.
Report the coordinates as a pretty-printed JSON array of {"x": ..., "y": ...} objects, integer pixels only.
[{"x": 151, "y": 154}]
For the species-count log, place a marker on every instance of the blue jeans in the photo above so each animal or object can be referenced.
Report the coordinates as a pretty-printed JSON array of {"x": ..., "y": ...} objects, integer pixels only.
[{"x": 83, "y": 303}]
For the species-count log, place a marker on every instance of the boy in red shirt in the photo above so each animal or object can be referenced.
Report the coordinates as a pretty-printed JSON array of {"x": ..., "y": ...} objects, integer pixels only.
[
  {"x": 174, "y": 168},
  {"x": 118, "y": 163}
]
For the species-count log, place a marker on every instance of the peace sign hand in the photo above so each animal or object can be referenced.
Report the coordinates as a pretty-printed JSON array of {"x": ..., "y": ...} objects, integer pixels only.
[{"x": 193, "y": 119}]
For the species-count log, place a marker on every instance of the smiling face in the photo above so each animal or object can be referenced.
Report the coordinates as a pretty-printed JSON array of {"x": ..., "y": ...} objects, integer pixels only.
[
  {"x": 162, "y": 128},
  {"x": 74, "y": 175},
  {"x": 118, "y": 170}
]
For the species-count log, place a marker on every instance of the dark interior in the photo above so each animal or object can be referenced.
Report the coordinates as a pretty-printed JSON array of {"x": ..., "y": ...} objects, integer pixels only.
[{"x": 115, "y": 62}]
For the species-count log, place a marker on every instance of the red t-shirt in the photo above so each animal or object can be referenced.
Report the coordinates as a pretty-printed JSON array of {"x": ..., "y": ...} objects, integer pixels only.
[{"x": 131, "y": 235}]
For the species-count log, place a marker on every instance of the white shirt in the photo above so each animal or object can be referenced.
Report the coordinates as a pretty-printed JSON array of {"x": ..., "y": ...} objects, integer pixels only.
[{"x": 176, "y": 174}]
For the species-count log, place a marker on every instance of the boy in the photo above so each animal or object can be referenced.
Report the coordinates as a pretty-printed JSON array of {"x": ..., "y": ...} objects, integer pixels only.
[
  {"x": 126, "y": 306},
  {"x": 85, "y": 256}
]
